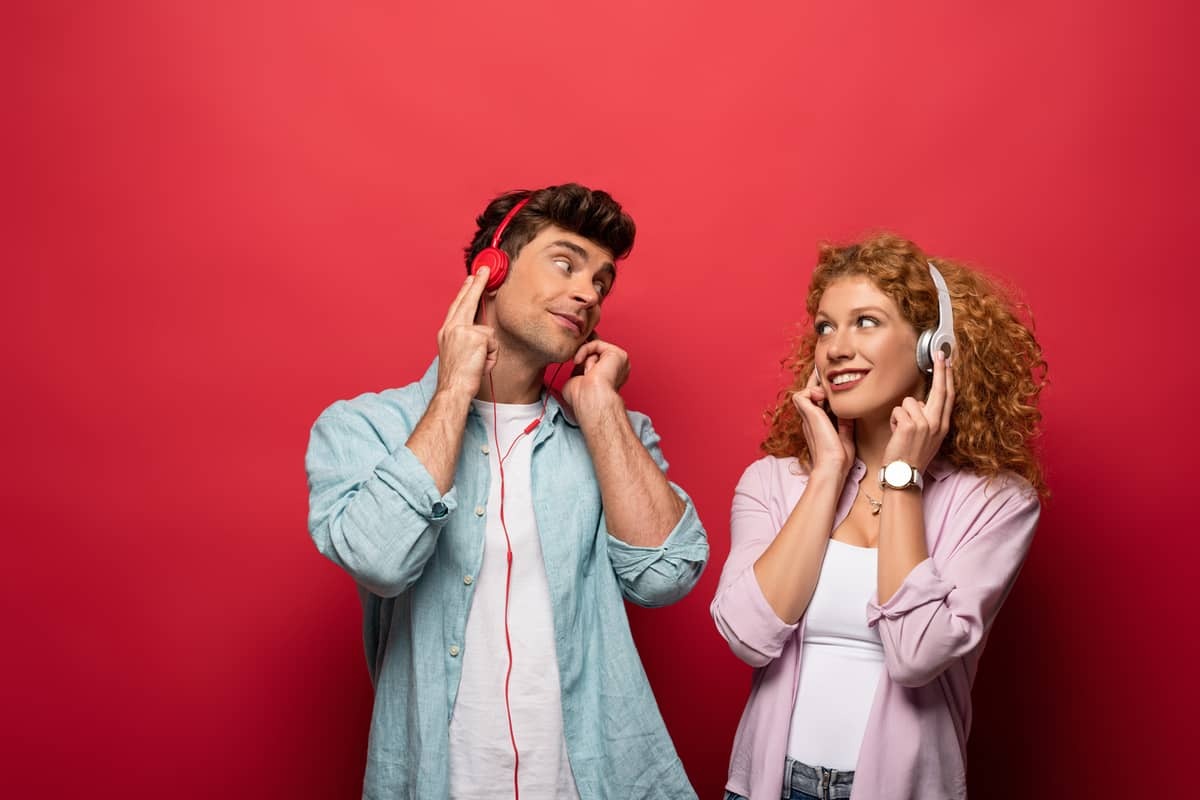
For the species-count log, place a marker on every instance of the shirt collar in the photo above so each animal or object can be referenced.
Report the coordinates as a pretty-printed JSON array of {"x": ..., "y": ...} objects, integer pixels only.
[
  {"x": 938, "y": 468},
  {"x": 554, "y": 408}
]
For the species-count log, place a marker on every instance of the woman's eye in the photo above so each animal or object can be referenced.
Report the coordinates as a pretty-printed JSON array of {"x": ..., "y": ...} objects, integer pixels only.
[
  {"x": 867, "y": 322},
  {"x": 823, "y": 328}
]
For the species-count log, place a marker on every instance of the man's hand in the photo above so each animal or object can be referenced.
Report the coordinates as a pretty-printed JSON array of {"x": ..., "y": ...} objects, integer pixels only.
[
  {"x": 640, "y": 507},
  {"x": 601, "y": 369},
  {"x": 466, "y": 351}
]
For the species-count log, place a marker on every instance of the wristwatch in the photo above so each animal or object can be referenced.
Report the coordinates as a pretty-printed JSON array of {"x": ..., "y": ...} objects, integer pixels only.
[{"x": 900, "y": 475}]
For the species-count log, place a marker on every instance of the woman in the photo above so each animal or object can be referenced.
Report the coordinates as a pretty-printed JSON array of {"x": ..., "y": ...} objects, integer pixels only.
[{"x": 864, "y": 599}]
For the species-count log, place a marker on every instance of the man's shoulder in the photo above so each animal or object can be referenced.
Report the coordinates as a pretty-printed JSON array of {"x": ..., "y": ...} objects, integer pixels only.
[
  {"x": 383, "y": 404},
  {"x": 398, "y": 402}
]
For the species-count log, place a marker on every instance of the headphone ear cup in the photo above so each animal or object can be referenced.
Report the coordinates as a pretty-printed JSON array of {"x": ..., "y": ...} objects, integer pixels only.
[
  {"x": 924, "y": 356},
  {"x": 494, "y": 259}
]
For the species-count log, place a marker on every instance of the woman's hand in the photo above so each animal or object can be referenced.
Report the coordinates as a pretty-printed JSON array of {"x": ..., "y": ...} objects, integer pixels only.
[
  {"x": 832, "y": 449},
  {"x": 919, "y": 428}
]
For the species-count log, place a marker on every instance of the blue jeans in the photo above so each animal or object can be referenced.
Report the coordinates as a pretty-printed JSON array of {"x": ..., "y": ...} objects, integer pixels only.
[{"x": 802, "y": 782}]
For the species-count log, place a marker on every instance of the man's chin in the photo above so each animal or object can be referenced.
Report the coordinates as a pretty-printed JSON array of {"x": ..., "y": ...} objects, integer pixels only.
[
  {"x": 565, "y": 354},
  {"x": 553, "y": 345},
  {"x": 556, "y": 352}
]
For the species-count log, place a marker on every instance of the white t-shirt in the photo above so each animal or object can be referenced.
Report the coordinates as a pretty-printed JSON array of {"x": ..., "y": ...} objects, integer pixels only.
[
  {"x": 840, "y": 664},
  {"x": 481, "y": 756}
]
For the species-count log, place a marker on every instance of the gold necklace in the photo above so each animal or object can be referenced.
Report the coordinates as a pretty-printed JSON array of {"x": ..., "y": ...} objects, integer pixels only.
[{"x": 875, "y": 504}]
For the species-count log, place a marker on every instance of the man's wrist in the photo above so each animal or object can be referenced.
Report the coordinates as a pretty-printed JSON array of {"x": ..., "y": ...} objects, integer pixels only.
[
  {"x": 597, "y": 401},
  {"x": 451, "y": 400}
]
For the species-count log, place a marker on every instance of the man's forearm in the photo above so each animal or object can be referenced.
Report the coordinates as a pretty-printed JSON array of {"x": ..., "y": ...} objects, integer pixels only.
[
  {"x": 437, "y": 438},
  {"x": 640, "y": 506}
]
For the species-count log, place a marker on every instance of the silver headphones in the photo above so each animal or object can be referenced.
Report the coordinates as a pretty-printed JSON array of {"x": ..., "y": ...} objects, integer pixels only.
[{"x": 941, "y": 337}]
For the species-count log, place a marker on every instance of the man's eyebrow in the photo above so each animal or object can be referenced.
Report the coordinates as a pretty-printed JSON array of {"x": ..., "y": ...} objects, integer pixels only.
[
  {"x": 574, "y": 248},
  {"x": 608, "y": 266}
]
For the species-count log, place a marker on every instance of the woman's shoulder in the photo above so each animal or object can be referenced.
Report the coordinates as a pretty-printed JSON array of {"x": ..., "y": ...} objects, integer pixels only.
[
  {"x": 774, "y": 470},
  {"x": 977, "y": 488}
]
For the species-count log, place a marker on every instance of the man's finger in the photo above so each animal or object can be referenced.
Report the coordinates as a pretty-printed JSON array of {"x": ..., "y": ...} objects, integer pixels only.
[
  {"x": 588, "y": 349},
  {"x": 457, "y": 301},
  {"x": 470, "y": 301}
]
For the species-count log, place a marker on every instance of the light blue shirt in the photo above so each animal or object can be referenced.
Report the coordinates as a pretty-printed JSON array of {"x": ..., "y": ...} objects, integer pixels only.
[{"x": 375, "y": 511}]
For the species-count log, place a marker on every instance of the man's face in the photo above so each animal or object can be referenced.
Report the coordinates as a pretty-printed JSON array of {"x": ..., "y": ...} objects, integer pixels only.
[{"x": 550, "y": 302}]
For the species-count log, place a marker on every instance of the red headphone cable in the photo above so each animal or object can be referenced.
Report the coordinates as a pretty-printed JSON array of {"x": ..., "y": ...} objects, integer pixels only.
[{"x": 512, "y": 734}]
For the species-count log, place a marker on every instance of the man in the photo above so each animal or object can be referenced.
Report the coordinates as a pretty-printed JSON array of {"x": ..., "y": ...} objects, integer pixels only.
[{"x": 493, "y": 532}]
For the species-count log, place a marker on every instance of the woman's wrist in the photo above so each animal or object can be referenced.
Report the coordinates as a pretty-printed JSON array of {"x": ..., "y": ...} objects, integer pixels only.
[{"x": 831, "y": 474}]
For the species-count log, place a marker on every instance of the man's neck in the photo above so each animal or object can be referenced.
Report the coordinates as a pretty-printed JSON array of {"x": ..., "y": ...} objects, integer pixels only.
[{"x": 513, "y": 383}]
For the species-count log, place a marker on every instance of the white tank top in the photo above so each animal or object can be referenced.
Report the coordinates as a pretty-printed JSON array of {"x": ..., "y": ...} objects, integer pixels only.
[{"x": 840, "y": 664}]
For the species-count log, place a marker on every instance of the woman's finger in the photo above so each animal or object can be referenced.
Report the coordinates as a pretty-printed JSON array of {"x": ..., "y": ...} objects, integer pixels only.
[
  {"x": 917, "y": 413},
  {"x": 948, "y": 403},
  {"x": 937, "y": 391},
  {"x": 809, "y": 399}
]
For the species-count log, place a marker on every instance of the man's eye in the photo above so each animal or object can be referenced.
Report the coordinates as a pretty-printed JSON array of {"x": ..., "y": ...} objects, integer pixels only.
[
  {"x": 563, "y": 264},
  {"x": 600, "y": 288}
]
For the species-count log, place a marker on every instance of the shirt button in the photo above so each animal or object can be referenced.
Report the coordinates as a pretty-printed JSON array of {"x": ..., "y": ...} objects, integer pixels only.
[
  {"x": 439, "y": 510},
  {"x": 479, "y": 511},
  {"x": 453, "y": 650},
  {"x": 468, "y": 580},
  {"x": 484, "y": 450}
]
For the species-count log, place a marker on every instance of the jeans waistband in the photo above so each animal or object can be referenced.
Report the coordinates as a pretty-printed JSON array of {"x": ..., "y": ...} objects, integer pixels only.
[{"x": 827, "y": 784}]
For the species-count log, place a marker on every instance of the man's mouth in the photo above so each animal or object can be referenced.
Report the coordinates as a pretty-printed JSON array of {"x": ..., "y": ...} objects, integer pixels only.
[{"x": 571, "y": 323}]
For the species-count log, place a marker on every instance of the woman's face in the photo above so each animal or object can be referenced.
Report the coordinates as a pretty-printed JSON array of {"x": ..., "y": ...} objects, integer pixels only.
[{"x": 866, "y": 351}]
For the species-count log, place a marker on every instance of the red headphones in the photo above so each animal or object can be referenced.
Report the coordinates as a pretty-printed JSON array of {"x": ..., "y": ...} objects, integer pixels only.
[{"x": 493, "y": 257}]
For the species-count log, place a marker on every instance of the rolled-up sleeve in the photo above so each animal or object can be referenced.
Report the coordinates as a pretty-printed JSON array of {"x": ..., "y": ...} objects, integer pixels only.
[
  {"x": 659, "y": 576},
  {"x": 375, "y": 513},
  {"x": 944, "y": 608},
  {"x": 741, "y": 612}
]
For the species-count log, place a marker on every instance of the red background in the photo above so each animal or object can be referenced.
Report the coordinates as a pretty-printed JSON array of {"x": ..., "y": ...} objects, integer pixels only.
[{"x": 224, "y": 216}]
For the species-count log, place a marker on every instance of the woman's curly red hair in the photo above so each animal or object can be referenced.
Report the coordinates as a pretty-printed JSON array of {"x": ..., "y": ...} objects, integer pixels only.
[{"x": 999, "y": 371}]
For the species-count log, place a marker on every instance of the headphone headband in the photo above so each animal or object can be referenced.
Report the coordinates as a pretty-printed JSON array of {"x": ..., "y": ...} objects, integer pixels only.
[
  {"x": 493, "y": 257},
  {"x": 940, "y": 338},
  {"x": 507, "y": 219}
]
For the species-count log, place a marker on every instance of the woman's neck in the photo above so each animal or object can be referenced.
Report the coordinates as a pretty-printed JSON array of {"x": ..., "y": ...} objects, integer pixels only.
[{"x": 871, "y": 437}]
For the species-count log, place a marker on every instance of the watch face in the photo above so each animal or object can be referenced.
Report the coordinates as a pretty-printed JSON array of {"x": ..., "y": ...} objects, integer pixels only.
[{"x": 897, "y": 474}]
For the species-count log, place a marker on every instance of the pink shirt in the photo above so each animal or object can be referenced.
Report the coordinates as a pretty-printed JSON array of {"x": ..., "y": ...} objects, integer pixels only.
[{"x": 933, "y": 630}]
